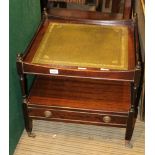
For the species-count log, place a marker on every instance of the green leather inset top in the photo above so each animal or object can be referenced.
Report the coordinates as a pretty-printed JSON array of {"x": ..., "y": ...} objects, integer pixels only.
[{"x": 84, "y": 46}]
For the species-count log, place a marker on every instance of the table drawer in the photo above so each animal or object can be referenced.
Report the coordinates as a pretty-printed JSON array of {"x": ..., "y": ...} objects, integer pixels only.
[{"x": 78, "y": 116}]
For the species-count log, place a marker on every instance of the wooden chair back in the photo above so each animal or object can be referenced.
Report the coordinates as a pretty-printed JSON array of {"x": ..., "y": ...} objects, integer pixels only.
[
  {"x": 117, "y": 6},
  {"x": 118, "y": 9}
]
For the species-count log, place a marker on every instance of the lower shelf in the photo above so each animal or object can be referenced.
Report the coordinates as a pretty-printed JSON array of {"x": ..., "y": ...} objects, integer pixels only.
[
  {"x": 85, "y": 101},
  {"x": 79, "y": 101},
  {"x": 80, "y": 94}
]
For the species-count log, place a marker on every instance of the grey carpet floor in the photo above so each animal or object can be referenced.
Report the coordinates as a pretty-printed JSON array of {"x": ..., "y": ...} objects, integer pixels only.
[{"x": 55, "y": 138}]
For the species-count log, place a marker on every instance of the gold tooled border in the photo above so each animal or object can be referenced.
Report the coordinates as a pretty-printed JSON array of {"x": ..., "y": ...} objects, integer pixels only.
[{"x": 124, "y": 60}]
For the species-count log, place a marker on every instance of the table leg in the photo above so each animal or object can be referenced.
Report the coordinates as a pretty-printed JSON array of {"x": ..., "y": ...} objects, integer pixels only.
[
  {"x": 27, "y": 120},
  {"x": 131, "y": 117}
]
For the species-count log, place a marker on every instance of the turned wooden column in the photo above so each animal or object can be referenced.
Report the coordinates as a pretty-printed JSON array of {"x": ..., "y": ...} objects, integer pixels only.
[
  {"x": 131, "y": 117},
  {"x": 22, "y": 78}
]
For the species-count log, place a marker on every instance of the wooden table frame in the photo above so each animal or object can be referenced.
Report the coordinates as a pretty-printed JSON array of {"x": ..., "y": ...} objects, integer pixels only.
[{"x": 131, "y": 78}]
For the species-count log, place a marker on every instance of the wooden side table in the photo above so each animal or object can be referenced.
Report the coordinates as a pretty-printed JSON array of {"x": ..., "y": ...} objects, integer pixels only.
[{"x": 86, "y": 71}]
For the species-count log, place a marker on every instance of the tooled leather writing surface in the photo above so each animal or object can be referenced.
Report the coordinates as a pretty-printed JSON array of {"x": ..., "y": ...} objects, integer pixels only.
[{"x": 84, "y": 46}]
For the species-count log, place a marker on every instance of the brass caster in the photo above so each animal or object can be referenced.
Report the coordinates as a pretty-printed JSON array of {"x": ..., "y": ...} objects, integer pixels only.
[
  {"x": 128, "y": 144},
  {"x": 31, "y": 134}
]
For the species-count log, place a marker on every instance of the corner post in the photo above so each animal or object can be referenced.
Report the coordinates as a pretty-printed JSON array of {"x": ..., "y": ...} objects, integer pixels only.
[
  {"x": 133, "y": 112},
  {"x": 22, "y": 76},
  {"x": 131, "y": 117}
]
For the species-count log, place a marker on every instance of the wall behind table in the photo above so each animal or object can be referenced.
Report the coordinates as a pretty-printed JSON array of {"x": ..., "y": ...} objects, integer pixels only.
[{"x": 24, "y": 20}]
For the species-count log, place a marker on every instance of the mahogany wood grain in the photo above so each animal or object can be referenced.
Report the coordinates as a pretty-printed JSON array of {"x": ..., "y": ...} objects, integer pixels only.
[
  {"x": 75, "y": 72},
  {"x": 78, "y": 110},
  {"x": 80, "y": 122},
  {"x": 80, "y": 117},
  {"x": 74, "y": 93}
]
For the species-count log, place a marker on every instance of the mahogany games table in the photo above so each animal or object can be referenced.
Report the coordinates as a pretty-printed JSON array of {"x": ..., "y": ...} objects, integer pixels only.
[{"x": 86, "y": 71}]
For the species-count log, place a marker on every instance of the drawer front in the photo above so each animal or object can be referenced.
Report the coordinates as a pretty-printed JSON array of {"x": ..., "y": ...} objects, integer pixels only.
[{"x": 78, "y": 116}]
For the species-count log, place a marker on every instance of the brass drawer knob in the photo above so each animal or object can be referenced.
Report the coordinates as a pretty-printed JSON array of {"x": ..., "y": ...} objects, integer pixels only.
[
  {"x": 106, "y": 119},
  {"x": 48, "y": 113}
]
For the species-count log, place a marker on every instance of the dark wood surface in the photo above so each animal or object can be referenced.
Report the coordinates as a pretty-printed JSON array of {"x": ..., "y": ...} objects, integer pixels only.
[
  {"x": 75, "y": 72},
  {"x": 81, "y": 94},
  {"x": 82, "y": 117}
]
